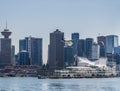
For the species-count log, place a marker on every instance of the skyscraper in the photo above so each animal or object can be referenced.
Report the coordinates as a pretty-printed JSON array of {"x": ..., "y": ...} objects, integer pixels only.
[
  {"x": 102, "y": 49},
  {"x": 69, "y": 56},
  {"x": 36, "y": 51},
  {"x": 88, "y": 47},
  {"x": 24, "y": 58},
  {"x": 5, "y": 48},
  {"x": 34, "y": 47},
  {"x": 117, "y": 54},
  {"x": 111, "y": 42},
  {"x": 75, "y": 38},
  {"x": 22, "y": 45},
  {"x": 13, "y": 55},
  {"x": 95, "y": 53},
  {"x": 48, "y": 54},
  {"x": 56, "y": 51},
  {"x": 81, "y": 48},
  {"x": 101, "y": 40}
]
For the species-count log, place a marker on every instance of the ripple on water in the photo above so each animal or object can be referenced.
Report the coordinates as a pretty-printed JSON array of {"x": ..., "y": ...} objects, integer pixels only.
[{"x": 34, "y": 84}]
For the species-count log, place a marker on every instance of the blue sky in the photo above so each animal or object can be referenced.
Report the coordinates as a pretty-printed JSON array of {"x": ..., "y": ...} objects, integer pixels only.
[{"x": 40, "y": 17}]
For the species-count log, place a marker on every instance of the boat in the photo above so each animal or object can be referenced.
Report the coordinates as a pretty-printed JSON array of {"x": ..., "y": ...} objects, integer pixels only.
[{"x": 41, "y": 77}]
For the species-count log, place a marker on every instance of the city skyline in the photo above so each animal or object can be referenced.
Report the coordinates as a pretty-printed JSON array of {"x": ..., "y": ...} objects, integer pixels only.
[{"x": 39, "y": 18}]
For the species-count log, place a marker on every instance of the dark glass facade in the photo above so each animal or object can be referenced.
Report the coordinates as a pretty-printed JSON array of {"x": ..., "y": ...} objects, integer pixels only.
[
  {"x": 88, "y": 47},
  {"x": 56, "y": 50},
  {"x": 75, "y": 38},
  {"x": 111, "y": 42},
  {"x": 81, "y": 48},
  {"x": 24, "y": 58},
  {"x": 22, "y": 44},
  {"x": 34, "y": 47},
  {"x": 69, "y": 56},
  {"x": 5, "y": 48}
]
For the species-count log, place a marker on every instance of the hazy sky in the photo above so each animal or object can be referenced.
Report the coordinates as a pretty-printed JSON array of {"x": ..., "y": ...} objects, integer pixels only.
[{"x": 40, "y": 17}]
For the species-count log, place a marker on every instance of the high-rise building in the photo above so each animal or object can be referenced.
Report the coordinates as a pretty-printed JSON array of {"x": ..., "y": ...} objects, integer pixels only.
[
  {"x": 48, "y": 54},
  {"x": 88, "y": 47},
  {"x": 75, "y": 38},
  {"x": 117, "y": 54},
  {"x": 56, "y": 50},
  {"x": 117, "y": 50},
  {"x": 69, "y": 56},
  {"x": 102, "y": 49},
  {"x": 101, "y": 39},
  {"x": 5, "y": 48},
  {"x": 111, "y": 42},
  {"x": 22, "y": 45},
  {"x": 81, "y": 47},
  {"x": 95, "y": 52},
  {"x": 34, "y": 47},
  {"x": 24, "y": 58},
  {"x": 36, "y": 51},
  {"x": 13, "y": 55},
  {"x": 17, "y": 59}
]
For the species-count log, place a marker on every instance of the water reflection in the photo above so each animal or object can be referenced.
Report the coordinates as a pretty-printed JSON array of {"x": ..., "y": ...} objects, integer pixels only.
[
  {"x": 57, "y": 85},
  {"x": 34, "y": 84},
  {"x": 109, "y": 89}
]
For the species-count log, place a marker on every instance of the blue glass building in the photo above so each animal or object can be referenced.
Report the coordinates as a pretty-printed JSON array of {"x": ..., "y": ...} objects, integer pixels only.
[
  {"x": 81, "y": 48},
  {"x": 24, "y": 58},
  {"x": 117, "y": 54},
  {"x": 22, "y": 44},
  {"x": 34, "y": 47},
  {"x": 75, "y": 38},
  {"x": 69, "y": 56},
  {"x": 88, "y": 47},
  {"x": 111, "y": 42}
]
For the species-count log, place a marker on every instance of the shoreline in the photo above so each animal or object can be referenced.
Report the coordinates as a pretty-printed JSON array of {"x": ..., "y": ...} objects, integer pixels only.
[{"x": 45, "y": 77}]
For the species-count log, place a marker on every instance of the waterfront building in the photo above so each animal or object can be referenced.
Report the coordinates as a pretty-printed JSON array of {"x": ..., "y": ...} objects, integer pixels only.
[
  {"x": 95, "y": 52},
  {"x": 87, "y": 68},
  {"x": 24, "y": 58},
  {"x": 84, "y": 62},
  {"x": 111, "y": 42},
  {"x": 34, "y": 47},
  {"x": 56, "y": 50},
  {"x": 88, "y": 47},
  {"x": 81, "y": 48},
  {"x": 5, "y": 48}
]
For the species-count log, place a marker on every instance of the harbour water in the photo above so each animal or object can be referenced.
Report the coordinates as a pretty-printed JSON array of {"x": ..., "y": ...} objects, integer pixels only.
[{"x": 35, "y": 84}]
